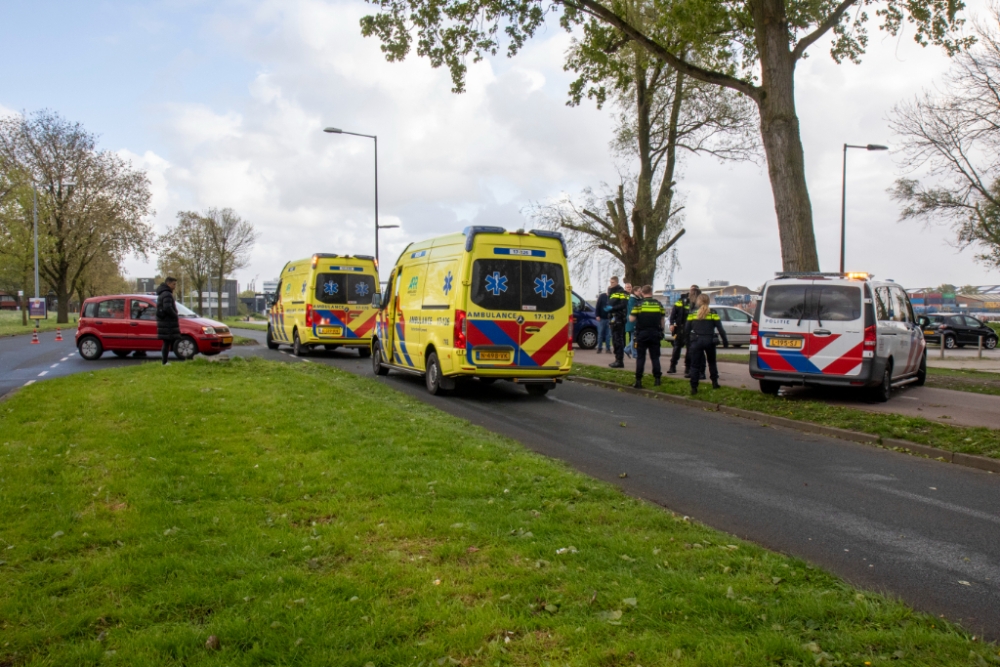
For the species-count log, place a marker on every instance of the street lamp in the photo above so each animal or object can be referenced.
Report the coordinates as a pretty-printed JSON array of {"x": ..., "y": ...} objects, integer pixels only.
[
  {"x": 337, "y": 130},
  {"x": 843, "y": 197}
]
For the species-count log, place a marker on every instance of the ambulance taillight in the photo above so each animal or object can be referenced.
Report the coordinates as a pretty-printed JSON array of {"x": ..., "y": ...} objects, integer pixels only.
[
  {"x": 569, "y": 331},
  {"x": 460, "y": 329},
  {"x": 309, "y": 315}
]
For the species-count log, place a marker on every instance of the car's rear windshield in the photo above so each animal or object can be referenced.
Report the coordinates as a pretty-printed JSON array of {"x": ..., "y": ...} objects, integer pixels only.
[
  {"x": 516, "y": 284},
  {"x": 344, "y": 288},
  {"x": 832, "y": 303}
]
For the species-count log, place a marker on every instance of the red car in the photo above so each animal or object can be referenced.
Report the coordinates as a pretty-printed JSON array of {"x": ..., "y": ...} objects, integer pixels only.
[{"x": 127, "y": 323}]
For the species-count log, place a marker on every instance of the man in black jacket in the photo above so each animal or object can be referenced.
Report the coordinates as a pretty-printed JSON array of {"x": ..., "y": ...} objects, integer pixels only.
[
  {"x": 647, "y": 315},
  {"x": 678, "y": 322},
  {"x": 168, "y": 328},
  {"x": 618, "y": 300}
]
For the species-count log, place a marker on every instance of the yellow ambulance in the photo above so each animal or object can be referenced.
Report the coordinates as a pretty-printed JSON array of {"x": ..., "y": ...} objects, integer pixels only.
[
  {"x": 325, "y": 300},
  {"x": 486, "y": 303}
]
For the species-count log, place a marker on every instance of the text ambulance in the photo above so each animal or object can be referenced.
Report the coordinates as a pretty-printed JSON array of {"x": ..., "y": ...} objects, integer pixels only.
[
  {"x": 486, "y": 303},
  {"x": 324, "y": 300}
]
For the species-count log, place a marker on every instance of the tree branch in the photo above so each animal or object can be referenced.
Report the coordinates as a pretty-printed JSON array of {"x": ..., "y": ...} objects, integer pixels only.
[{"x": 826, "y": 26}]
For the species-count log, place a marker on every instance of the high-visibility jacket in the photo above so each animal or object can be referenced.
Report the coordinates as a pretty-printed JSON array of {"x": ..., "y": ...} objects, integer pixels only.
[
  {"x": 648, "y": 315},
  {"x": 706, "y": 327},
  {"x": 618, "y": 300}
]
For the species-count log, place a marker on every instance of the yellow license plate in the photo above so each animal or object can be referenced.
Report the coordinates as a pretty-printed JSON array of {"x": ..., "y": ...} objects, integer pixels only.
[
  {"x": 493, "y": 356},
  {"x": 930, "y": 332},
  {"x": 227, "y": 339},
  {"x": 794, "y": 343},
  {"x": 330, "y": 331}
]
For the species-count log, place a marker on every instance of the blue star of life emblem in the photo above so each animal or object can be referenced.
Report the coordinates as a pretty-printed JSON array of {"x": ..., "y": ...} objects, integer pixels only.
[
  {"x": 330, "y": 288},
  {"x": 361, "y": 289},
  {"x": 447, "y": 283},
  {"x": 544, "y": 286},
  {"x": 496, "y": 283}
]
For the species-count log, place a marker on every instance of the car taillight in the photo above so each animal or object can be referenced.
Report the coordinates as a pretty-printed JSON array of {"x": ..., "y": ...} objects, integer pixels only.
[
  {"x": 569, "y": 331},
  {"x": 870, "y": 338},
  {"x": 754, "y": 332},
  {"x": 460, "y": 329},
  {"x": 309, "y": 315}
]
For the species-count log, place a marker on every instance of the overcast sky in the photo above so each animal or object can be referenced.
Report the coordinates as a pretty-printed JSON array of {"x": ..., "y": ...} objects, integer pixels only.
[{"x": 223, "y": 103}]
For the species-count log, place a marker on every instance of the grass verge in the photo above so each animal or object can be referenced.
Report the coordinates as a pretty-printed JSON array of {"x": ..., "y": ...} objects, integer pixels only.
[
  {"x": 968, "y": 440},
  {"x": 243, "y": 340},
  {"x": 11, "y": 324},
  {"x": 240, "y": 323},
  {"x": 348, "y": 524}
]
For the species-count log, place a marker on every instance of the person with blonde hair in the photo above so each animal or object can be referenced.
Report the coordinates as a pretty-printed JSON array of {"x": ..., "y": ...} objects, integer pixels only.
[{"x": 700, "y": 330}]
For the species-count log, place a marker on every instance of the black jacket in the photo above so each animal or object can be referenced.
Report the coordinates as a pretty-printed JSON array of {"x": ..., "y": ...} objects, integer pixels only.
[
  {"x": 602, "y": 301},
  {"x": 167, "y": 325},
  {"x": 705, "y": 329},
  {"x": 679, "y": 314},
  {"x": 618, "y": 300},
  {"x": 648, "y": 315}
]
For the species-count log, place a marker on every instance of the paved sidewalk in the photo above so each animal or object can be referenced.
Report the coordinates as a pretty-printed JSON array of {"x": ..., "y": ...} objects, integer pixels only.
[{"x": 958, "y": 408}]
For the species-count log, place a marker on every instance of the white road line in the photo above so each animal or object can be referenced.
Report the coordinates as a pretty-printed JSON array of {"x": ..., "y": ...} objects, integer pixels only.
[
  {"x": 64, "y": 359},
  {"x": 53, "y": 365},
  {"x": 43, "y": 373},
  {"x": 29, "y": 382}
]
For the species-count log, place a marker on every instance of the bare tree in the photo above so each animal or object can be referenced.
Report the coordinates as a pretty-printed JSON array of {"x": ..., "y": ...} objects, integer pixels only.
[
  {"x": 231, "y": 239},
  {"x": 954, "y": 134},
  {"x": 187, "y": 249},
  {"x": 91, "y": 203}
]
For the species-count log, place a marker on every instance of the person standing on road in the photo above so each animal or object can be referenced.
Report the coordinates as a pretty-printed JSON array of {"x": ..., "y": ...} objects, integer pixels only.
[
  {"x": 603, "y": 326},
  {"x": 634, "y": 297},
  {"x": 168, "y": 328},
  {"x": 700, "y": 331},
  {"x": 678, "y": 324},
  {"x": 648, "y": 319},
  {"x": 618, "y": 300}
]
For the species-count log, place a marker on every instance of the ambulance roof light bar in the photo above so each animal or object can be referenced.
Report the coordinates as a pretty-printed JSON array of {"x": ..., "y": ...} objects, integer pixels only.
[
  {"x": 851, "y": 275},
  {"x": 471, "y": 231}
]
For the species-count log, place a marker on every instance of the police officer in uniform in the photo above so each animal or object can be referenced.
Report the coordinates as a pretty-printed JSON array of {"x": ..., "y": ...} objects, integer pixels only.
[
  {"x": 618, "y": 300},
  {"x": 701, "y": 327},
  {"x": 648, "y": 317},
  {"x": 678, "y": 325}
]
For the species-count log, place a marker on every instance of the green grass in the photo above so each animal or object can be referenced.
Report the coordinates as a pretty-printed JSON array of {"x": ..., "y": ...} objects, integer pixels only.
[
  {"x": 242, "y": 340},
  {"x": 305, "y": 516},
  {"x": 241, "y": 323},
  {"x": 10, "y": 323},
  {"x": 969, "y": 440}
]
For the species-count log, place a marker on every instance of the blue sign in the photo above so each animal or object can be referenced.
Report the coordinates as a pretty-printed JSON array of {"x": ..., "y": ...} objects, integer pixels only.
[
  {"x": 496, "y": 283},
  {"x": 519, "y": 252},
  {"x": 447, "y": 283},
  {"x": 544, "y": 286},
  {"x": 361, "y": 289},
  {"x": 330, "y": 288}
]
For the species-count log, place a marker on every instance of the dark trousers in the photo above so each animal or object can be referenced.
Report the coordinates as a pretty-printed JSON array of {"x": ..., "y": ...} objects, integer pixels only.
[
  {"x": 618, "y": 340},
  {"x": 680, "y": 342},
  {"x": 166, "y": 350},
  {"x": 702, "y": 348},
  {"x": 647, "y": 340}
]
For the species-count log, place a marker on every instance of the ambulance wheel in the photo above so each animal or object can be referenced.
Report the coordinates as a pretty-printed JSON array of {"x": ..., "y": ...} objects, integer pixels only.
[
  {"x": 364, "y": 352},
  {"x": 90, "y": 348},
  {"x": 881, "y": 392},
  {"x": 433, "y": 376},
  {"x": 271, "y": 344},
  {"x": 377, "y": 366},
  {"x": 298, "y": 348},
  {"x": 769, "y": 387},
  {"x": 922, "y": 372},
  {"x": 537, "y": 389}
]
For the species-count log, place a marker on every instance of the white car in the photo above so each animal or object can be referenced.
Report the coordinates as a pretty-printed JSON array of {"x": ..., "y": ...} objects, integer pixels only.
[
  {"x": 836, "y": 329},
  {"x": 736, "y": 322}
]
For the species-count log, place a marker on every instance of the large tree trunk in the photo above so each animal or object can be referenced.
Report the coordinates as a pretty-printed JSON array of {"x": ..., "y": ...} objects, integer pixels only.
[
  {"x": 779, "y": 126},
  {"x": 63, "y": 294}
]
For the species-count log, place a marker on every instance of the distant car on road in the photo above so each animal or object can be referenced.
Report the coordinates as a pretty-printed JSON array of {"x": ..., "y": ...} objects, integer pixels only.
[
  {"x": 958, "y": 330},
  {"x": 736, "y": 322},
  {"x": 584, "y": 323},
  {"x": 126, "y": 323}
]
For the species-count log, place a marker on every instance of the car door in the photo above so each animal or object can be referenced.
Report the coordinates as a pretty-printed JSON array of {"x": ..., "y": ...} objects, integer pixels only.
[
  {"x": 976, "y": 329},
  {"x": 904, "y": 362},
  {"x": 142, "y": 325},
  {"x": 111, "y": 322},
  {"x": 737, "y": 326},
  {"x": 962, "y": 334}
]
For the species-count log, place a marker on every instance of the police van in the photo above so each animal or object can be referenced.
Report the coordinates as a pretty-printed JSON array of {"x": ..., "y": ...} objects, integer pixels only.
[
  {"x": 836, "y": 329},
  {"x": 486, "y": 303},
  {"x": 324, "y": 300}
]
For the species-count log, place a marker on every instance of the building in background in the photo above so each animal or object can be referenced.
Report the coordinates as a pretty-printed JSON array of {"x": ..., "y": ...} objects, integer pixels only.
[
  {"x": 271, "y": 286},
  {"x": 145, "y": 285}
]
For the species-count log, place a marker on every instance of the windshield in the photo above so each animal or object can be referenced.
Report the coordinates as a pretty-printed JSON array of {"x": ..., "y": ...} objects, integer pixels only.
[
  {"x": 837, "y": 303},
  {"x": 184, "y": 311}
]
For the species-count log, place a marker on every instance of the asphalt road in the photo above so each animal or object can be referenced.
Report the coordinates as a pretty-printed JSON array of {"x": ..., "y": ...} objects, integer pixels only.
[{"x": 921, "y": 530}]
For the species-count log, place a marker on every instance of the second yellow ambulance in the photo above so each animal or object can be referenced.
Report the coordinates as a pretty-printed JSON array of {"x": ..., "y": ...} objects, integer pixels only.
[
  {"x": 324, "y": 300},
  {"x": 485, "y": 303}
]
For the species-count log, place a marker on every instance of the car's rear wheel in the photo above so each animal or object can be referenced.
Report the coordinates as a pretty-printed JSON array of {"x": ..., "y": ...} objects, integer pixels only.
[
  {"x": 537, "y": 389},
  {"x": 990, "y": 343},
  {"x": 881, "y": 392},
  {"x": 185, "y": 348},
  {"x": 298, "y": 349},
  {"x": 271, "y": 343},
  {"x": 922, "y": 371},
  {"x": 90, "y": 348},
  {"x": 121, "y": 354},
  {"x": 587, "y": 340},
  {"x": 769, "y": 387},
  {"x": 364, "y": 352},
  {"x": 432, "y": 378},
  {"x": 377, "y": 366},
  {"x": 950, "y": 343}
]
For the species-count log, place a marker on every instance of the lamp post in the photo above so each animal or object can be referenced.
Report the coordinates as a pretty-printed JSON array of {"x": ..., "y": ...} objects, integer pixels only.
[
  {"x": 843, "y": 197},
  {"x": 337, "y": 130}
]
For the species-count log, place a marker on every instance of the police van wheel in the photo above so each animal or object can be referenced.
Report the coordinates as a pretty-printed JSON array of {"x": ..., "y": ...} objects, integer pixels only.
[
  {"x": 298, "y": 348},
  {"x": 364, "y": 352},
  {"x": 537, "y": 389},
  {"x": 922, "y": 372},
  {"x": 881, "y": 392},
  {"x": 271, "y": 344},
  {"x": 377, "y": 366},
  {"x": 433, "y": 375},
  {"x": 769, "y": 387}
]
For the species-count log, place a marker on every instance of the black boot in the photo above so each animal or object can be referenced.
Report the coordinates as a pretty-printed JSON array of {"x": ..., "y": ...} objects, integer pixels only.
[
  {"x": 656, "y": 382},
  {"x": 672, "y": 370},
  {"x": 637, "y": 385},
  {"x": 616, "y": 364},
  {"x": 715, "y": 384},
  {"x": 694, "y": 389}
]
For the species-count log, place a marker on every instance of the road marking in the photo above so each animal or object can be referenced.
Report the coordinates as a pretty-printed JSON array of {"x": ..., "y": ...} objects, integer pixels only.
[
  {"x": 53, "y": 365},
  {"x": 64, "y": 359},
  {"x": 29, "y": 382},
  {"x": 43, "y": 373}
]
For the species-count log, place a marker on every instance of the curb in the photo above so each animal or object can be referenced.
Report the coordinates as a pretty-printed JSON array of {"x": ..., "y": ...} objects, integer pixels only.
[
  {"x": 10, "y": 394},
  {"x": 903, "y": 446}
]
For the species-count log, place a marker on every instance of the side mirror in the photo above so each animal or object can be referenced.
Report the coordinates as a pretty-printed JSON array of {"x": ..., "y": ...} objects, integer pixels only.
[
  {"x": 923, "y": 321},
  {"x": 377, "y": 300}
]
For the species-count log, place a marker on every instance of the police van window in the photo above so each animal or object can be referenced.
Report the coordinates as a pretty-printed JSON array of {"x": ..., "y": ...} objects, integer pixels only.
[
  {"x": 882, "y": 304},
  {"x": 331, "y": 288},
  {"x": 836, "y": 303},
  {"x": 786, "y": 302},
  {"x": 900, "y": 305},
  {"x": 360, "y": 289}
]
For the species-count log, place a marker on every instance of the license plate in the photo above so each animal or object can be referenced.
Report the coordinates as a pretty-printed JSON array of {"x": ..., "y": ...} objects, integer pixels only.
[
  {"x": 336, "y": 332},
  {"x": 793, "y": 343},
  {"x": 930, "y": 332},
  {"x": 227, "y": 340},
  {"x": 488, "y": 355}
]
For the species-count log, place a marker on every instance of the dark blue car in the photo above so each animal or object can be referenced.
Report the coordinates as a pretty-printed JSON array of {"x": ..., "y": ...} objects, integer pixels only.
[{"x": 584, "y": 323}]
